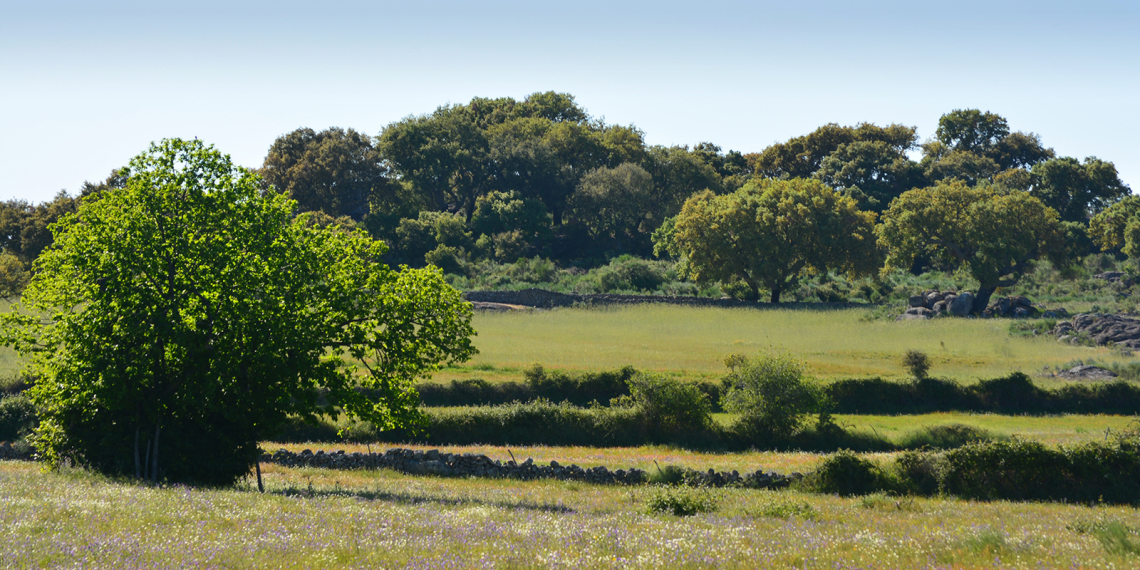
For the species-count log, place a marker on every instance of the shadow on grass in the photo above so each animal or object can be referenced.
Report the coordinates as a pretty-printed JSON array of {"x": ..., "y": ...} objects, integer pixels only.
[{"x": 405, "y": 498}]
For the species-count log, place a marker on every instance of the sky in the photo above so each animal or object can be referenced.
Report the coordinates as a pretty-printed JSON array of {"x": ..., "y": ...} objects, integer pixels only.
[{"x": 85, "y": 86}]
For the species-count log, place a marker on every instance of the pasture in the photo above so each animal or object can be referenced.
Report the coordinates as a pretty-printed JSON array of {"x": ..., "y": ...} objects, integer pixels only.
[
  {"x": 313, "y": 518},
  {"x": 693, "y": 342}
]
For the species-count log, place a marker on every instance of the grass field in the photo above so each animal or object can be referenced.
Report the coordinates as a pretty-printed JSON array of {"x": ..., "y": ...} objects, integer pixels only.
[
  {"x": 378, "y": 519},
  {"x": 694, "y": 341}
]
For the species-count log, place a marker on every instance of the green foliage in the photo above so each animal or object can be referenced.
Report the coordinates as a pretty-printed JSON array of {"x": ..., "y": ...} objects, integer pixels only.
[
  {"x": 13, "y": 276},
  {"x": 845, "y": 473},
  {"x": 1013, "y": 394},
  {"x": 1115, "y": 536},
  {"x": 770, "y": 234},
  {"x": 178, "y": 320},
  {"x": 1077, "y": 190},
  {"x": 611, "y": 204},
  {"x": 1117, "y": 228},
  {"x": 681, "y": 501},
  {"x": 948, "y": 436},
  {"x": 995, "y": 236},
  {"x": 669, "y": 405},
  {"x": 580, "y": 389},
  {"x": 335, "y": 171},
  {"x": 780, "y": 507},
  {"x": 17, "y": 417},
  {"x": 917, "y": 363},
  {"x": 801, "y": 157},
  {"x": 873, "y": 173},
  {"x": 773, "y": 397}
]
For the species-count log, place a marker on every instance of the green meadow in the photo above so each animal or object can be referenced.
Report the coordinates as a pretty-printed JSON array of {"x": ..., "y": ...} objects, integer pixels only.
[
  {"x": 693, "y": 341},
  {"x": 313, "y": 518}
]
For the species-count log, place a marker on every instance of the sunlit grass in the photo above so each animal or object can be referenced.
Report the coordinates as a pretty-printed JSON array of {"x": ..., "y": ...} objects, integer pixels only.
[
  {"x": 313, "y": 518},
  {"x": 694, "y": 341}
]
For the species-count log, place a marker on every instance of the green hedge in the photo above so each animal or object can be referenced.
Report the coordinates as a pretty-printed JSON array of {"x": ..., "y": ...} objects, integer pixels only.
[
  {"x": 1013, "y": 394},
  {"x": 1017, "y": 470}
]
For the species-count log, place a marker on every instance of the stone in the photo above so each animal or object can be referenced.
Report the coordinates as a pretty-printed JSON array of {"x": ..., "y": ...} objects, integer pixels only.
[
  {"x": 962, "y": 304},
  {"x": 941, "y": 307},
  {"x": 1087, "y": 372},
  {"x": 917, "y": 301}
]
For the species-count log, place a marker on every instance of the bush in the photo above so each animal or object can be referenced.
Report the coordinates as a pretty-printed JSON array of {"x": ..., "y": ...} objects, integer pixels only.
[
  {"x": 772, "y": 396},
  {"x": 540, "y": 422},
  {"x": 948, "y": 436},
  {"x": 917, "y": 362},
  {"x": 668, "y": 405},
  {"x": 846, "y": 474},
  {"x": 680, "y": 501},
  {"x": 17, "y": 417},
  {"x": 581, "y": 389}
]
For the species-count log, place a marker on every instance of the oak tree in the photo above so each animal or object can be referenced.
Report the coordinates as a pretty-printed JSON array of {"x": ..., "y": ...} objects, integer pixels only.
[{"x": 178, "y": 321}]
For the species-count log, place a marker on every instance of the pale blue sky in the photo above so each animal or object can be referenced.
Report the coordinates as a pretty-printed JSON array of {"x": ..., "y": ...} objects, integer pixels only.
[{"x": 84, "y": 86}]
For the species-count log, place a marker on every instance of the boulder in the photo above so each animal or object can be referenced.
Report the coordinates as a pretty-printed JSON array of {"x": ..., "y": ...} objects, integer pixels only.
[
  {"x": 915, "y": 313},
  {"x": 941, "y": 307},
  {"x": 1115, "y": 277},
  {"x": 962, "y": 304},
  {"x": 1087, "y": 372},
  {"x": 916, "y": 301}
]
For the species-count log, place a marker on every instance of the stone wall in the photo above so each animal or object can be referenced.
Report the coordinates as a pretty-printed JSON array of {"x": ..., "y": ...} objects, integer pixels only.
[
  {"x": 548, "y": 299},
  {"x": 435, "y": 462}
]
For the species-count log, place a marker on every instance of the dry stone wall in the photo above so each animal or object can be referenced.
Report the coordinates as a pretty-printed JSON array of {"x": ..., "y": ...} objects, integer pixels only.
[{"x": 435, "y": 462}]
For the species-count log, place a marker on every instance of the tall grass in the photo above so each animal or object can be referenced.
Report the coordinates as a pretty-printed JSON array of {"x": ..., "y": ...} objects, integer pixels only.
[
  {"x": 694, "y": 341},
  {"x": 312, "y": 518}
]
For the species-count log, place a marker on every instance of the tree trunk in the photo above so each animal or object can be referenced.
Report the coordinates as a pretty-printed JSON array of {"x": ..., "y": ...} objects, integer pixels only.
[
  {"x": 257, "y": 466},
  {"x": 138, "y": 466},
  {"x": 775, "y": 296},
  {"x": 154, "y": 471},
  {"x": 146, "y": 463},
  {"x": 982, "y": 299}
]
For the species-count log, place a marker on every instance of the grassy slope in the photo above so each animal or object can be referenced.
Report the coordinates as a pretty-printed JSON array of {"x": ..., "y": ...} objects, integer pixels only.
[
  {"x": 694, "y": 341},
  {"x": 313, "y": 518}
]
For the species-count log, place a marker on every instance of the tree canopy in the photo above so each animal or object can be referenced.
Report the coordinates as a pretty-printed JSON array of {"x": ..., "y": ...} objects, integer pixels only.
[
  {"x": 770, "y": 233},
  {"x": 177, "y": 321}
]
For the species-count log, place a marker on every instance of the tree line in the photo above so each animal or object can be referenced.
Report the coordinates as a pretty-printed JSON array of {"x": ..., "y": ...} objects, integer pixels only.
[{"x": 500, "y": 179}]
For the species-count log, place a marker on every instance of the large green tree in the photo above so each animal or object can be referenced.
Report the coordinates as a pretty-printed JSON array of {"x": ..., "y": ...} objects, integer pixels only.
[
  {"x": 179, "y": 320},
  {"x": 801, "y": 157},
  {"x": 335, "y": 171},
  {"x": 976, "y": 146},
  {"x": 871, "y": 172},
  {"x": 770, "y": 233},
  {"x": 1077, "y": 191},
  {"x": 995, "y": 235}
]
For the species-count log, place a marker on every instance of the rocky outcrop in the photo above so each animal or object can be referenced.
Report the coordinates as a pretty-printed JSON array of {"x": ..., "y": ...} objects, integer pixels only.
[
  {"x": 435, "y": 462},
  {"x": 1087, "y": 372},
  {"x": 933, "y": 303},
  {"x": 1101, "y": 330},
  {"x": 1115, "y": 277}
]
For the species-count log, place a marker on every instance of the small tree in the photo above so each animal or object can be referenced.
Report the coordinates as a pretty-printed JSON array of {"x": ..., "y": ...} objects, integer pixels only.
[
  {"x": 773, "y": 396},
  {"x": 178, "y": 321},
  {"x": 670, "y": 406},
  {"x": 917, "y": 362},
  {"x": 771, "y": 233}
]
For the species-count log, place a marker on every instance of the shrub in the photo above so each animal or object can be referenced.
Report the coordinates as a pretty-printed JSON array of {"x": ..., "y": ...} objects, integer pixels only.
[
  {"x": 845, "y": 473},
  {"x": 917, "y": 362},
  {"x": 17, "y": 417},
  {"x": 785, "y": 508},
  {"x": 948, "y": 436},
  {"x": 772, "y": 396},
  {"x": 540, "y": 422},
  {"x": 668, "y": 405},
  {"x": 581, "y": 389},
  {"x": 680, "y": 501}
]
